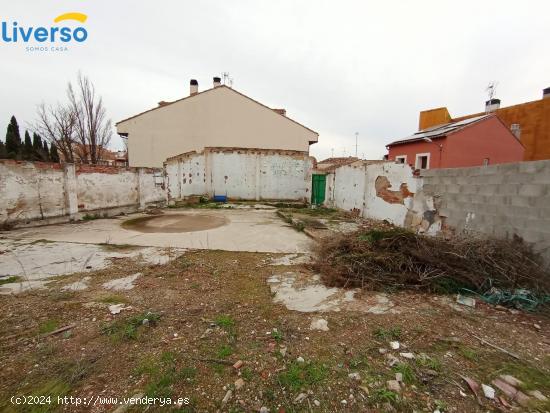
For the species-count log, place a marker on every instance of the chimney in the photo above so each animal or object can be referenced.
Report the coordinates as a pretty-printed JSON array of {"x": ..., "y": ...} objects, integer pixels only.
[
  {"x": 217, "y": 81},
  {"x": 193, "y": 87},
  {"x": 546, "y": 93},
  {"x": 492, "y": 105}
]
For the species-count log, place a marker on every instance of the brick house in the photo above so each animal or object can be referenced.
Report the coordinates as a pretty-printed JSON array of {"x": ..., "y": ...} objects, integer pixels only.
[{"x": 482, "y": 140}]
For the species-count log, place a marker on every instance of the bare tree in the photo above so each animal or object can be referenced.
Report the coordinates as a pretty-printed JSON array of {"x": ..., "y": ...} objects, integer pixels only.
[
  {"x": 93, "y": 129},
  {"x": 57, "y": 124}
]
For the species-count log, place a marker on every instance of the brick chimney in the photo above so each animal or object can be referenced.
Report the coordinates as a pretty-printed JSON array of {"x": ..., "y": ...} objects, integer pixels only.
[
  {"x": 217, "y": 81},
  {"x": 193, "y": 87}
]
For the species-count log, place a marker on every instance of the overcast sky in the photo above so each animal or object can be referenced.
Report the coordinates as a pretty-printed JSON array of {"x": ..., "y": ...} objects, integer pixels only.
[{"x": 338, "y": 67}]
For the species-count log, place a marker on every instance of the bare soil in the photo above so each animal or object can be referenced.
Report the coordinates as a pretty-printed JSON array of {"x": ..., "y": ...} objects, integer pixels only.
[
  {"x": 208, "y": 309},
  {"x": 175, "y": 223}
]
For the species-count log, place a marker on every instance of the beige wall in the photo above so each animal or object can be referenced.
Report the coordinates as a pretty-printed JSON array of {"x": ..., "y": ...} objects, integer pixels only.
[{"x": 218, "y": 117}]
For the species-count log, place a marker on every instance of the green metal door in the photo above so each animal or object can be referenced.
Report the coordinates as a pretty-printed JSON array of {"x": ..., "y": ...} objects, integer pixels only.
[{"x": 318, "y": 185}]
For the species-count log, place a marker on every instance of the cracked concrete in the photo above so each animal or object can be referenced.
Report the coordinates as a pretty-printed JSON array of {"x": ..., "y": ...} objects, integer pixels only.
[{"x": 306, "y": 293}]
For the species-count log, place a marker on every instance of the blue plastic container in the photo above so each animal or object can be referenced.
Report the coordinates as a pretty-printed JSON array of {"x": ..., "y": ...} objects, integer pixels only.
[{"x": 220, "y": 198}]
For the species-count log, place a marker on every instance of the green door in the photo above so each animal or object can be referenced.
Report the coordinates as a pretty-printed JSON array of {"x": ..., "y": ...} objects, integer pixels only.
[{"x": 318, "y": 185}]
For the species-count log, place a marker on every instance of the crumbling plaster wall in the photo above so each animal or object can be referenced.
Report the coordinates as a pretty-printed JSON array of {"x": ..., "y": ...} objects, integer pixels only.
[
  {"x": 239, "y": 173},
  {"x": 38, "y": 192},
  {"x": 382, "y": 190}
]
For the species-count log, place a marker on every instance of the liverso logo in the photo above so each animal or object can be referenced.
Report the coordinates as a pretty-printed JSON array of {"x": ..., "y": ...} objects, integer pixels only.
[{"x": 57, "y": 36}]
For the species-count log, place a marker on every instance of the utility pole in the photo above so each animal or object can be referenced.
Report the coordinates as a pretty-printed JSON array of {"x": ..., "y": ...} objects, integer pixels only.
[{"x": 356, "y": 140}]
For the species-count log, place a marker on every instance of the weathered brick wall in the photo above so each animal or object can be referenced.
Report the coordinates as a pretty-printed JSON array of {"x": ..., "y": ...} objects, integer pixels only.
[
  {"x": 500, "y": 200},
  {"x": 46, "y": 192}
]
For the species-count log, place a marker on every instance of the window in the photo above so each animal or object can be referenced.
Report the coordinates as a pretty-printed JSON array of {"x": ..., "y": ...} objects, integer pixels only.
[
  {"x": 401, "y": 159},
  {"x": 485, "y": 161},
  {"x": 422, "y": 161}
]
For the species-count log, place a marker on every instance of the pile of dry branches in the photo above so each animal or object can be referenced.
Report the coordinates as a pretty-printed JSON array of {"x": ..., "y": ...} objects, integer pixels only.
[{"x": 395, "y": 259}]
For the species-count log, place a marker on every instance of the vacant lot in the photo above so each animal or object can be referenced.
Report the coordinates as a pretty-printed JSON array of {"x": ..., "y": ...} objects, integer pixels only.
[{"x": 183, "y": 324}]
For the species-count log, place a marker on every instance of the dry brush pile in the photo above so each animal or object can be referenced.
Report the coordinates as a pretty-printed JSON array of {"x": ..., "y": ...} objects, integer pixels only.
[{"x": 394, "y": 258}]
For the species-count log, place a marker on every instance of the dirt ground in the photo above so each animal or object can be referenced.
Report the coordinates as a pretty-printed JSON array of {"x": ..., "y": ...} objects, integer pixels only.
[{"x": 185, "y": 323}]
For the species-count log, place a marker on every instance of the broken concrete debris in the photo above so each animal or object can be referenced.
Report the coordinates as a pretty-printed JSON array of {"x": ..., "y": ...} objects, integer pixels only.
[
  {"x": 488, "y": 391},
  {"x": 393, "y": 385},
  {"x": 124, "y": 283},
  {"x": 467, "y": 301},
  {"x": 394, "y": 345},
  {"x": 319, "y": 324}
]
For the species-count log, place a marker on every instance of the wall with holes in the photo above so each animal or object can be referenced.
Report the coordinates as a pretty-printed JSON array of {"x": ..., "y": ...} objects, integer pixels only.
[
  {"x": 238, "y": 173},
  {"x": 40, "y": 193}
]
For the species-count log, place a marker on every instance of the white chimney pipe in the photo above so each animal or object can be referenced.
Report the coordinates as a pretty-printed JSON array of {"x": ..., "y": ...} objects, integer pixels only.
[
  {"x": 546, "y": 93},
  {"x": 193, "y": 87},
  {"x": 492, "y": 105}
]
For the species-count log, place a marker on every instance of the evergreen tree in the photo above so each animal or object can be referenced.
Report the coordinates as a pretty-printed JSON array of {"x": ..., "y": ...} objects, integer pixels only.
[
  {"x": 13, "y": 139},
  {"x": 54, "y": 156},
  {"x": 38, "y": 148},
  {"x": 27, "y": 147},
  {"x": 46, "y": 151},
  {"x": 3, "y": 152}
]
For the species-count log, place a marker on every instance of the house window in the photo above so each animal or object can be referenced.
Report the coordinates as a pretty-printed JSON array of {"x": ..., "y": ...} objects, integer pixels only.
[
  {"x": 485, "y": 161},
  {"x": 401, "y": 159},
  {"x": 422, "y": 161}
]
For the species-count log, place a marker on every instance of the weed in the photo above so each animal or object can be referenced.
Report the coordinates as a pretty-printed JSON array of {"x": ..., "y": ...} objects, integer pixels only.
[
  {"x": 117, "y": 247},
  {"x": 128, "y": 329},
  {"x": 162, "y": 374},
  {"x": 428, "y": 362},
  {"x": 225, "y": 322},
  {"x": 224, "y": 352},
  {"x": 299, "y": 375},
  {"x": 407, "y": 372},
  {"x": 392, "y": 333},
  {"x": 384, "y": 396},
  {"x": 90, "y": 217},
  {"x": 277, "y": 335},
  {"x": 468, "y": 353},
  {"x": 47, "y": 326},
  {"x": 8, "y": 280},
  {"x": 247, "y": 374}
]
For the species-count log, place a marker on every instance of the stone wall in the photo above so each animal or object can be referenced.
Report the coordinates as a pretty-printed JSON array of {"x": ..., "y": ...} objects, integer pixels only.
[
  {"x": 39, "y": 193},
  {"x": 239, "y": 173}
]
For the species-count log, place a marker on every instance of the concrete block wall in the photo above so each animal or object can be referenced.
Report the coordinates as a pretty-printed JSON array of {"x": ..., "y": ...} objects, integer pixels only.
[
  {"x": 240, "y": 173},
  {"x": 500, "y": 200},
  {"x": 34, "y": 193}
]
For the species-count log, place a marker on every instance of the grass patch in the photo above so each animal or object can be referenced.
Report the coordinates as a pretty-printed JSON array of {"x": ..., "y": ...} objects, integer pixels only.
[
  {"x": 113, "y": 299},
  {"x": 225, "y": 322},
  {"x": 431, "y": 363},
  {"x": 299, "y": 375},
  {"x": 118, "y": 247},
  {"x": 392, "y": 333},
  {"x": 90, "y": 217},
  {"x": 162, "y": 373},
  {"x": 531, "y": 377},
  {"x": 468, "y": 353},
  {"x": 11, "y": 279},
  {"x": 47, "y": 326},
  {"x": 130, "y": 328},
  {"x": 384, "y": 396},
  {"x": 224, "y": 352},
  {"x": 407, "y": 372}
]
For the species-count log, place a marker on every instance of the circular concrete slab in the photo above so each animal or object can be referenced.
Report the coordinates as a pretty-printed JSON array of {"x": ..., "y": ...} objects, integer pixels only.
[{"x": 172, "y": 223}]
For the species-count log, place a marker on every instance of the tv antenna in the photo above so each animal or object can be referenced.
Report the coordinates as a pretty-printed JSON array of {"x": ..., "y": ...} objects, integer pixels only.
[
  {"x": 227, "y": 80},
  {"x": 491, "y": 89},
  {"x": 356, "y": 140}
]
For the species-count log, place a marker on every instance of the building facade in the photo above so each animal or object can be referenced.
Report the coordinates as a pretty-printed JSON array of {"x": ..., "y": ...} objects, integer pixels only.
[
  {"x": 529, "y": 121},
  {"x": 217, "y": 117},
  {"x": 483, "y": 140}
]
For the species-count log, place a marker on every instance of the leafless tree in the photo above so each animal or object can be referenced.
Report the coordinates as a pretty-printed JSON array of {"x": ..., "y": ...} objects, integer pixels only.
[
  {"x": 57, "y": 124},
  {"x": 93, "y": 129}
]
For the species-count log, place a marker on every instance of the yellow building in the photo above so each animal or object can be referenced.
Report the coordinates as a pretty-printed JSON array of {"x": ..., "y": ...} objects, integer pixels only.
[{"x": 529, "y": 121}]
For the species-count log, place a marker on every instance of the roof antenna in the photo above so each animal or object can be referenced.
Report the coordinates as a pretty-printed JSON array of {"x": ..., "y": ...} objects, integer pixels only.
[
  {"x": 491, "y": 89},
  {"x": 227, "y": 80}
]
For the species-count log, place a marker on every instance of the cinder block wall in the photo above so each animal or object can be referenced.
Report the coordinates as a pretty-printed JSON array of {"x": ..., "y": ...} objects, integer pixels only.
[
  {"x": 34, "y": 193},
  {"x": 500, "y": 200}
]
